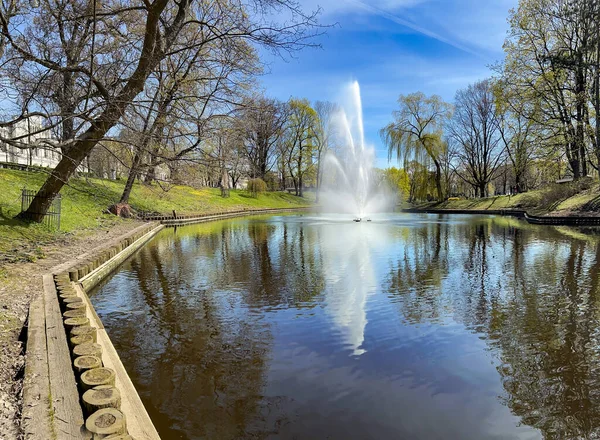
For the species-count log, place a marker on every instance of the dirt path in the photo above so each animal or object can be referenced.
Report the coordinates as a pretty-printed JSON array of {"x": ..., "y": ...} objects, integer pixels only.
[{"x": 19, "y": 283}]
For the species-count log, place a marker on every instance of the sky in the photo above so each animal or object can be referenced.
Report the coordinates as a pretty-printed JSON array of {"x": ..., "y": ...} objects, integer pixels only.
[{"x": 393, "y": 47}]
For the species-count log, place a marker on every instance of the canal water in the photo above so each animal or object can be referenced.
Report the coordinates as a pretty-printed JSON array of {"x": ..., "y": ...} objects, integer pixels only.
[{"x": 406, "y": 327}]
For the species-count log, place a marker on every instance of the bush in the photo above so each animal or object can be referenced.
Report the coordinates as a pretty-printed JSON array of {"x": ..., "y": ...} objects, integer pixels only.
[{"x": 256, "y": 187}]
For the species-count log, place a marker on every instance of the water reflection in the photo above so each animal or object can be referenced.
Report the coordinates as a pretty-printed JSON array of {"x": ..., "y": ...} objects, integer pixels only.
[{"x": 416, "y": 327}]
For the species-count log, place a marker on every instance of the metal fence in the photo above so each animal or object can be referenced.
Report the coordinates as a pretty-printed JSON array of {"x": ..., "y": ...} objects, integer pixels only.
[{"x": 52, "y": 217}]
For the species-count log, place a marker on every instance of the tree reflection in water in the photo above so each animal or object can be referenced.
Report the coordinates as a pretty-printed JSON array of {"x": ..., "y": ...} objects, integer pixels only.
[
  {"x": 533, "y": 294},
  {"x": 304, "y": 327}
]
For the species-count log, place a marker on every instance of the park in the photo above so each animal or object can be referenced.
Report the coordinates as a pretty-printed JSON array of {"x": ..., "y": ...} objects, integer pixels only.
[{"x": 293, "y": 219}]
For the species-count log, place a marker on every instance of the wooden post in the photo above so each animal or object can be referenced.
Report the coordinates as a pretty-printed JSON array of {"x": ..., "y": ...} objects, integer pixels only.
[
  {"x": 74, "y": 341},
  {"x": 96, "y": 377},
  {"x": 88, "y": 350},
  {"x": 84, "y": 363},
  {"x": 103, "y": 396},
  {"x": 77, "y": 313},
  {"x": 85, "y": 330},
  {"x": 106, "y": 422}
]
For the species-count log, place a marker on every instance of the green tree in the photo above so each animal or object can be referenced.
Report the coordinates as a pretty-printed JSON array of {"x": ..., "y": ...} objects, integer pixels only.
[
  {"x": 300, "y": 141},
  {"x": 398, "y": 181},
  {"x": 548, "y": 62},
  {"x": 416, "y": 133}
]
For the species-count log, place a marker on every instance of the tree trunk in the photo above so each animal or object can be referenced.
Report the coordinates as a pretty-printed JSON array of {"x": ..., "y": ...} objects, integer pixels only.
[
  {"x": 580, "y": 87},
  {"x": 482, "y": 189},
  {"x": 133, "y": 171},
  {"x": 438, "y": 181},
  {"x": 101, "y": 125},
  {"x": 318, "y": 189}
]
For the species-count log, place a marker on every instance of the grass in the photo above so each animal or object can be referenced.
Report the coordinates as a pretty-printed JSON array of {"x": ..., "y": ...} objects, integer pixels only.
[
  {"x": 84, "y": 204},
  {"x": 566, "y": 199}
]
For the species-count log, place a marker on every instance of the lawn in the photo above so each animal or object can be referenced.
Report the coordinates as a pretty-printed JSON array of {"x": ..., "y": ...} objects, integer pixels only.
[
  {"x": 85, "y": 200},
  {"x": 566, "y": 199}
]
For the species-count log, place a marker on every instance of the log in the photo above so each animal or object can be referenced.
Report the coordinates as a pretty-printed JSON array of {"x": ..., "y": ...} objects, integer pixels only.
[
  {"x": 106, "y": 422},
  {"x": 103, "y": 396},
  {"x": 96, "y": 377},
  {"x": 85, "y": 330},
  {"x": 91, "y": 349},
  {"x": 119, "y": 437},
  {"x": 75, "y": 306},
  {"x": 69, "y": 300},
  {"x": 74, "y": 341},
  {"x": 76, "y": 322},
  {"x": 74, "y": 313},
  {"x": 66, "y": 295},
  {"x": 73, "y": 274},
  {"x": 84, "y": 363}
]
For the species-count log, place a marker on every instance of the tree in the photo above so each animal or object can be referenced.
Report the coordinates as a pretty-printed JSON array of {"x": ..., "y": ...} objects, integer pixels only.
[
  {"x": 416, "y": 133},
  {"x": 325, "y": 113},
  {"x": 118, "y": 74},
  {"x": 398, "y": 181},
  {"x": 262, "y": 121},
  {"x": 548, "y": 54},
  {"x": 475, "y": 131},
  {"x": 518, "y": 129},
  {"x": 300, "y": 136},
  {"x": 171, "y": 119}
]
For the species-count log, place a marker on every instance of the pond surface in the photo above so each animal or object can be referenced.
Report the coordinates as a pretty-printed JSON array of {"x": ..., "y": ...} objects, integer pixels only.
[{"x": 408, "y": 327}]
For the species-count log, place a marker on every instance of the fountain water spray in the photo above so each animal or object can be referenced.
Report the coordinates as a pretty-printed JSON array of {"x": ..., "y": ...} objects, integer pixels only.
[{"x": 348, "y": 184}]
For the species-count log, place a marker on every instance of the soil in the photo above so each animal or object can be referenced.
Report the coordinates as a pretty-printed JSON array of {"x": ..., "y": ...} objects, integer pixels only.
[{"x": 19, "y": 284}]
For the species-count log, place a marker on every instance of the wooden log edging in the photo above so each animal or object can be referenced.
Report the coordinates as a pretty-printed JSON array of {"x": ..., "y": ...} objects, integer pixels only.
[
  {"x": 532, "y": 219},
  {"x": 182, "y": 220},
  {"x": 61, "y": 323},
  {"x": 95, "y": 360}
]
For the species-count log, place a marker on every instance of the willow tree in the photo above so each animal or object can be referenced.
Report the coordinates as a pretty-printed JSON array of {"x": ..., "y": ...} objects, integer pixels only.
[{"x": 416, "y": 133}]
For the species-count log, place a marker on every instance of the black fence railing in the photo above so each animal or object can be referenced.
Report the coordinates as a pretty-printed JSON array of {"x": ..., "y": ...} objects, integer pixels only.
[{"x": 50, "y": 218}]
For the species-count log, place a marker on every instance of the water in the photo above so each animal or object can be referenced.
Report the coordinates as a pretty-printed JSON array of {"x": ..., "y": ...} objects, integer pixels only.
[
  {"x": 409, "y": 327},
  {"x": 349, "y": 185}
]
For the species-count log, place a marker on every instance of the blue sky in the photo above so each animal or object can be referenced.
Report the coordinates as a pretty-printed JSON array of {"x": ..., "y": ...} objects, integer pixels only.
[{"x": 394, "y": 47}]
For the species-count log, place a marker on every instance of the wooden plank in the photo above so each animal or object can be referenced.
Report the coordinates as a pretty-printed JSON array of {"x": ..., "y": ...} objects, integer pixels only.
[
  {"x": 35, "y": 419},
  {"x": 139, "y": 423},
  {"x": 67, "y": 414}
]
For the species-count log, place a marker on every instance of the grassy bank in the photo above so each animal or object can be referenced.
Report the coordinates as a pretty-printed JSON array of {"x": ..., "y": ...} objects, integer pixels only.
[
  {"x": 567, "y": 199},
  {"x": 84, "y": 203}
]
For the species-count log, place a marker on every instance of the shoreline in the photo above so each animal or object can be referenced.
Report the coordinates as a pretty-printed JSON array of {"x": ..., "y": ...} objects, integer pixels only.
[
  {"x": 22, "y": 283},
  {"x": 550, "y": 220}
]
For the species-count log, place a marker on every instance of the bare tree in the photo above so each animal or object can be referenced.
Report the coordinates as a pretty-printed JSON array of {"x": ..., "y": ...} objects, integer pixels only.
[
  {"x": 135, "y": 39},
  {"x": 262, "y": 121},
  {"x": 475, "y": 131}
]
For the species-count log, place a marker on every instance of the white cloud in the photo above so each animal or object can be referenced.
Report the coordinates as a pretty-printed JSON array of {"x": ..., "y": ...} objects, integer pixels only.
[
  {"x": 473, "y": 26},
  {"x": 332, "y": 7}
]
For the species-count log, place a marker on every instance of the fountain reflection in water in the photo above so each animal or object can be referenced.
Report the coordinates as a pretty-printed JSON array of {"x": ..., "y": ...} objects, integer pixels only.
[{"x": 349, "y": 186}]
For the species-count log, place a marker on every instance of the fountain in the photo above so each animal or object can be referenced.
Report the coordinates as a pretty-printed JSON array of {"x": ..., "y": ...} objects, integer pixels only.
[{"x": 348, "y": 184}]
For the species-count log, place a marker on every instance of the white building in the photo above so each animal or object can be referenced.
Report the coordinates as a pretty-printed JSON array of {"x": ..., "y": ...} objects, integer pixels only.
[{"x": 28, "y": 131}]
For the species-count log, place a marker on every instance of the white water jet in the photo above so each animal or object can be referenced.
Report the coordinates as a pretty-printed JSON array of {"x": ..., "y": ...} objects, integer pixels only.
[{"x": 348, "y": 184}]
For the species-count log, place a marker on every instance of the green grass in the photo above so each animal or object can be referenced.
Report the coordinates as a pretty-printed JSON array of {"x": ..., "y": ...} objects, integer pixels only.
[
  {"x": 84, "y": 204},
  {"x": 554, "y": 199}
]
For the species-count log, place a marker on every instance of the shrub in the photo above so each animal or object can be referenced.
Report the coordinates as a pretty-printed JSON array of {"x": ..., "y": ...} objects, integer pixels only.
[{"x": 256, "y": 187}]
